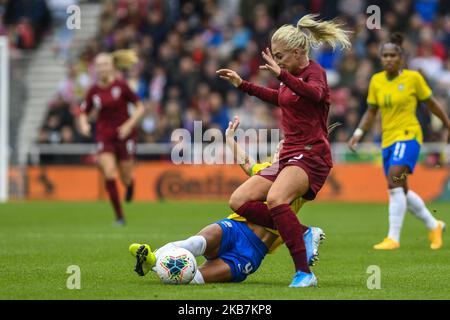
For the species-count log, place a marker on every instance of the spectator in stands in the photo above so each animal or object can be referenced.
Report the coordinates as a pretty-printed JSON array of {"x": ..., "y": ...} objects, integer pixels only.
[
  {"x": 30, "y": 19},
  {"x": 59, "y": 123}
]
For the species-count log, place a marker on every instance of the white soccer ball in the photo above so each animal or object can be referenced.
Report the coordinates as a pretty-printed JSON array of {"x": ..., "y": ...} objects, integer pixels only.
[{"x": 176, "y": 266}]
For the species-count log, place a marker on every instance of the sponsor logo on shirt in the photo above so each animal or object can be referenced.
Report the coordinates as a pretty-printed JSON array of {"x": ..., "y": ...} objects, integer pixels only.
[{"x": 401, "y": 86}]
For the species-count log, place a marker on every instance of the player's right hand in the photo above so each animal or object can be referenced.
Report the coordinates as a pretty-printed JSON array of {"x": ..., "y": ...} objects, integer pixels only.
[
  {"x": 231, "y": 76},
  {"x": 353, "y": 142}
]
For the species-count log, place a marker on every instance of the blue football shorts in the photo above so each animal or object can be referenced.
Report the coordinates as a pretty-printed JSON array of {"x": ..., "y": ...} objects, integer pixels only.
[
  {"x": 401, "y": 153},
  {"x": 240, "y": 248}
]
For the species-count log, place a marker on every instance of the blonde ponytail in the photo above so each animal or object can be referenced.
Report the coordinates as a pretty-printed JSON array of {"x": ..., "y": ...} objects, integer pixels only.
[
  {"x": 124, "y": 58},
  {"x": 312, "y": 33}
]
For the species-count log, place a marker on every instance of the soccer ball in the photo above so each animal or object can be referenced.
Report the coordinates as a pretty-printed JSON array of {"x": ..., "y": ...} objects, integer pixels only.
[{"x": 176, "y": 266}]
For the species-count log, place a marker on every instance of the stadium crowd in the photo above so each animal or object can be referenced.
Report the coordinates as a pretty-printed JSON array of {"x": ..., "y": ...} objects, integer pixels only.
[
  {"x": 27, "y": 22},
  {"x": 24, "y": 22},
  {"x": 181, "y": 43}
]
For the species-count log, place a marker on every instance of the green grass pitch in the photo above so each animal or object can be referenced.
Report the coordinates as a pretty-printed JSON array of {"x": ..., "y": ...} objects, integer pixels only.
[{"x": 39, "y": 240}]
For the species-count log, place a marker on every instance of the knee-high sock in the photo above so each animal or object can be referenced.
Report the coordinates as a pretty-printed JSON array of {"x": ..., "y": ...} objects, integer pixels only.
[
  {"x": 195, "y": 244},
  {"x": 111, "y": 188},
  {"x": 291, "y": 232},
  {"x": 258, "y": 213},
  {"x": 397, "y": 210},
  {"x": 418, "y": 208}
]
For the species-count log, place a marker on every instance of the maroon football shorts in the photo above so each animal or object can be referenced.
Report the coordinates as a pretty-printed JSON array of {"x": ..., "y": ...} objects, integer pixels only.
[
  {"x": 314, "y": 165},
  {"x": 122, "y": 149}
]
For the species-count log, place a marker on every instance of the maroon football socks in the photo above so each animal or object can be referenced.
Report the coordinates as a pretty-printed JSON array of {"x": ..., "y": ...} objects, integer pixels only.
[
  {"x": 111, "y": 187},
  {"x": 291, "y": 231},
  {"x": 258, "y": 213}
]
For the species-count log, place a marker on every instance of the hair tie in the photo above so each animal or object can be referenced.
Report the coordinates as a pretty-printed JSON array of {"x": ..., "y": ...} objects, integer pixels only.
[{"x": 391, "y": 45}]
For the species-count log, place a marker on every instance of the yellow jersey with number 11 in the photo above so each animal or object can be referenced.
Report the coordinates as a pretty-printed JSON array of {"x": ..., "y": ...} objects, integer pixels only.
[{"x": 397, "y": 100}]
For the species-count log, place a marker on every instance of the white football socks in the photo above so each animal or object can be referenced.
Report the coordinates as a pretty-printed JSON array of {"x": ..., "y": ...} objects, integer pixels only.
[
  {"x": 418, "y": 208},
  {"x": 397, "y": 210},
  {"x": 198, "y": 278},
  {"x": 195, "y": 244}
]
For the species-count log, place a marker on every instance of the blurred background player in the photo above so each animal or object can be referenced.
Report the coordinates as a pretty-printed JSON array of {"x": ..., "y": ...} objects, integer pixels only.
[
  {"x": 233, "y": 247},
  {"x": 395, "y": 92},
  {"x": 107, "y": 103},
  {"x": 305, "y": 160}
]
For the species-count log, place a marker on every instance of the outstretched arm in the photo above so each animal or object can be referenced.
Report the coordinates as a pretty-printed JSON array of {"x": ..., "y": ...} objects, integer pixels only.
[
  {"x": 312, "y": 90},
  {"x": 438, "y": 111},
  {"x": 245, "y": 161},
  {"x": 263, "y": 93},
  {"x": 364, "y": 125}
]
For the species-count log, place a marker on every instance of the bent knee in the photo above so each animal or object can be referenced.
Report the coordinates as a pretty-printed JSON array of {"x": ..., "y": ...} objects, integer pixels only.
[
  {"x": 109, "y": 175},
  {"x": 397, "y": 181},
  {"x": 274, "y": 200},
  {"x": 236, "y": 201},
  {"x": 126, "y": 179}
]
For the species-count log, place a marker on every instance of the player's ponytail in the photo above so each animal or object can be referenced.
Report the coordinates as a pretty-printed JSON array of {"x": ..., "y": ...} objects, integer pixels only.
[
  {"x": 310, "y": 32},
  {"x": 396, "y": 38},
  {"x": 124, "y": 59},
  {"x": 323, "y": 31}
]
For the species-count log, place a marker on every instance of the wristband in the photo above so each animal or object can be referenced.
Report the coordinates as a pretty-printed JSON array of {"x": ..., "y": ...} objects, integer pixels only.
[{"x": 358, "y": 133}]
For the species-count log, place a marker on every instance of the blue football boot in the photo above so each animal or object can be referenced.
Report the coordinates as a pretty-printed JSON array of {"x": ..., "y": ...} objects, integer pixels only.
[
  {"x": 313, "y": 237},
  {"x": 303, "y": 280}
]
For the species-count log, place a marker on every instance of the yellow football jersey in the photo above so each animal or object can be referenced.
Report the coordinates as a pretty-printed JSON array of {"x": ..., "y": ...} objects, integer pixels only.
[
  {"x": 295, "y": 206},
  {"x": 397, "y": 100}
]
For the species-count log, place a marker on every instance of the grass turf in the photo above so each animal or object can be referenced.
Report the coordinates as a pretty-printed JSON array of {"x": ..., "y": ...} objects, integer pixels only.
[{"x": 39, "y": 240}]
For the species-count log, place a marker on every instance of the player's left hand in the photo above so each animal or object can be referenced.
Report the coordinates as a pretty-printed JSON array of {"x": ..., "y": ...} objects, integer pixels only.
[
  {"x": 124, "y": 131},
  {"x": 270, "y": 65}
]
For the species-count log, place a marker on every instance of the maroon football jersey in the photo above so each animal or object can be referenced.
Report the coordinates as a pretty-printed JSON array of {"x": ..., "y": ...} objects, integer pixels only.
[
  {"x": 304, "y": 100},
  {"x": 111, "y": 105}
]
